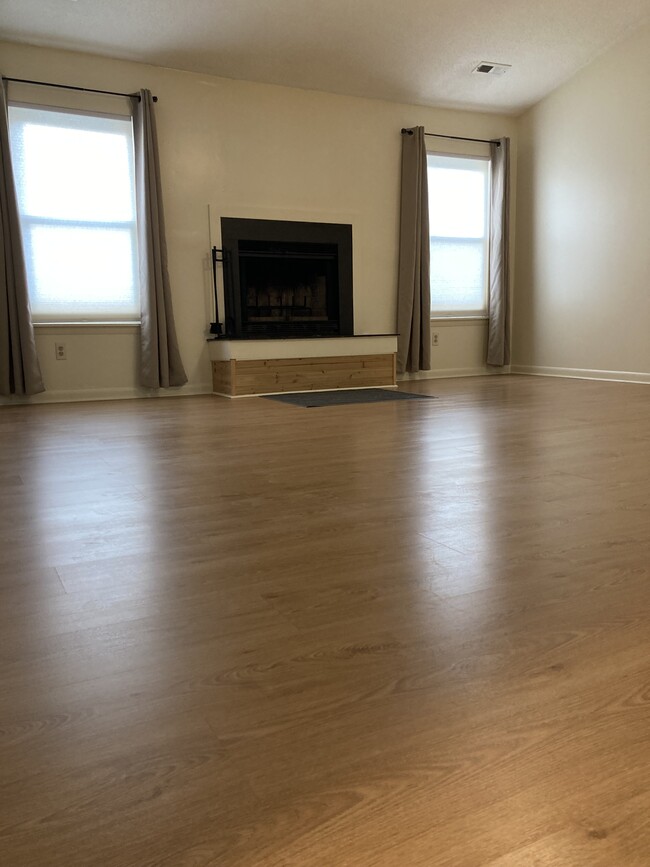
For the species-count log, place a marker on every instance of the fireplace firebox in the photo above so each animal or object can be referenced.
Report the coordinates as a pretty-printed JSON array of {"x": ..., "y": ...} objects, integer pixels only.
[{"x": 287, "y": 279}]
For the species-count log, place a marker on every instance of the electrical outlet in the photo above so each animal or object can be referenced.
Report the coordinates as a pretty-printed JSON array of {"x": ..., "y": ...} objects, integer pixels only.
[
  {"x": 59, "y": 351},
  {"x": 435, "y": 339}
]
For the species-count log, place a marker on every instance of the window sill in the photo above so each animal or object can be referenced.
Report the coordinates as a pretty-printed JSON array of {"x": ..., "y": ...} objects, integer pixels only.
[
  {"x": 91, "y": 327},
  {"x": 456, "y": 319}
]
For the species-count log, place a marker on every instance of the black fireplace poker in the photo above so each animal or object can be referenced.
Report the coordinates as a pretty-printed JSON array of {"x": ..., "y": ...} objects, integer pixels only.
[{"x": 215, "y": 327}]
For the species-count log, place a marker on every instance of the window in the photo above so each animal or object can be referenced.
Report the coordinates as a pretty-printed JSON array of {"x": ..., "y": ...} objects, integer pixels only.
[
  {"x": 458, "y": 226},
  {"x": 74, "y": 177}
]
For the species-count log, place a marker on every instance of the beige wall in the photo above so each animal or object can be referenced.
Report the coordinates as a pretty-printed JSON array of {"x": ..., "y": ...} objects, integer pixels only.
[
  {"x": 582, "y": 299},
  {"x": 252, "y": 150}
]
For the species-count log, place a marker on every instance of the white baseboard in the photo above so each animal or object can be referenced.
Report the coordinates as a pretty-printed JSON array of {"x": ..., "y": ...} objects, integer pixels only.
[
  {"x": 451, "y": 372},
  {"x": 581, "y": 373},
  {"x": 87, "y": 394}
]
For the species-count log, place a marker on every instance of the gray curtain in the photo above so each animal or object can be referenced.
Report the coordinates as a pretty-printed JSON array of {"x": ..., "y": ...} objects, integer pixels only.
[
  {"x": 20, "y": 372},
  {"x": 160, "y": 360},
  {"x": 413, "y": 287},
  {"x": 498, "y": 353}
]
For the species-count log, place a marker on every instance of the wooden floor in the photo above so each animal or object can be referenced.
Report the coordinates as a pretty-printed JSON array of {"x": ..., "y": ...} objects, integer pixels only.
[{"x": 408, "y": 634}]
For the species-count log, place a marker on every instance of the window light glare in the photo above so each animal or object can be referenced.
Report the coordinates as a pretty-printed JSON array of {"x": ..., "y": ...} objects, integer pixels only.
[
  {"x": 76, "y": 174},
  {"x": 456, "y": 201}
]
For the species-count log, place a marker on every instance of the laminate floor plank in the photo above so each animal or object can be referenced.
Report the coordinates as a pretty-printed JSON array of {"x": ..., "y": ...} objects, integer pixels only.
[{"x": 244, "y": 634}]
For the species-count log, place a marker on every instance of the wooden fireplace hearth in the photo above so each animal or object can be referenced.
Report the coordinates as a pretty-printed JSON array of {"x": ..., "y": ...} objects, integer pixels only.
[{"x": 244, "y": 368}]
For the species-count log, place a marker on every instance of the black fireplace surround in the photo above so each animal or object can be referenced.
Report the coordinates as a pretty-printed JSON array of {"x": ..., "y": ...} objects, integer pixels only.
[{"x": 287, "y": 279}]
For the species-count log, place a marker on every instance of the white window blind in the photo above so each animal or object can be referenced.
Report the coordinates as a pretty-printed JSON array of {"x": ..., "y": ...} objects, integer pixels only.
[
  {"x": 74, "y": 176},
  {"x": 458, "y": 228}
]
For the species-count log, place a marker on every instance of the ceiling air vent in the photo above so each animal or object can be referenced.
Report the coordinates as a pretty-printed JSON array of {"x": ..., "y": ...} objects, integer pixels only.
[{"x": 487, "y": 68}]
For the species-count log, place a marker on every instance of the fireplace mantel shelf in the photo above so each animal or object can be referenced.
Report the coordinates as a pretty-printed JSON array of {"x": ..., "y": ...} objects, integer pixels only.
[{"x": 221, "y": 338}]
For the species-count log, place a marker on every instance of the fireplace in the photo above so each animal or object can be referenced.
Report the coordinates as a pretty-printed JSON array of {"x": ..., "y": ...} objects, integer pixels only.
[{"x": 287, "y": 279}]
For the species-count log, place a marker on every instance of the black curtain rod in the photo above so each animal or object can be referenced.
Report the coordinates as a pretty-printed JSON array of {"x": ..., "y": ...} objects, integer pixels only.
[
  {"x": 455, "y": 137},
  {"x": 72, "y": 87}
]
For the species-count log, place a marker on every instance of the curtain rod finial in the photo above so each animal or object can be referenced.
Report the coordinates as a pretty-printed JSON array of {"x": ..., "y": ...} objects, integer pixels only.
[{"x": 406, "y": 131}]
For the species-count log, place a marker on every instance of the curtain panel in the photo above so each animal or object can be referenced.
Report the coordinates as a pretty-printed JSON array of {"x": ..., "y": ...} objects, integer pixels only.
[
  {"x": 20, "y": 373},
  {"x": 160, "y": 360},
  {"x": 498, "y": 352},
  {"x": 413, "y": 287}
]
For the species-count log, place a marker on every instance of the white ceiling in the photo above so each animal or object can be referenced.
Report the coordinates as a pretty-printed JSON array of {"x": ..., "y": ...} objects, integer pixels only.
[{"x": 415, "y": 51}]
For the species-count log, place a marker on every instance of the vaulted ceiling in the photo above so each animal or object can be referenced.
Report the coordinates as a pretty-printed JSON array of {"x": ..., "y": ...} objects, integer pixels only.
[{"x": 416, "y": 51}]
